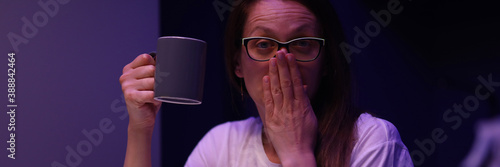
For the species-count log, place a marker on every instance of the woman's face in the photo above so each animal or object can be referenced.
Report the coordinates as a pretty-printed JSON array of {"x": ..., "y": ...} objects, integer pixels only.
[{"x": 283, "y": 21}]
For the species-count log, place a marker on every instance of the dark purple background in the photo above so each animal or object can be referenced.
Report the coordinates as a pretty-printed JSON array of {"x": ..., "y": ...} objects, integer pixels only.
[{"x": 67, "y": 78}]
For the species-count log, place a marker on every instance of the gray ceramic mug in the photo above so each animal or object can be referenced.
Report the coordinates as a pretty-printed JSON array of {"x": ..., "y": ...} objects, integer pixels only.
[{"x": 180, "y": 70}]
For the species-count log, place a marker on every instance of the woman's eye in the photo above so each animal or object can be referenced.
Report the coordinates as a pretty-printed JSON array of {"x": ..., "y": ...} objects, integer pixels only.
[
  {"x": 263, "y": 45},
  {"x": 302, "y": 43}
]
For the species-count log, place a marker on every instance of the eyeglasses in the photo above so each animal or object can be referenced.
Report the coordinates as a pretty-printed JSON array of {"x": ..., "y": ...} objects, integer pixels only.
[{"x": 305, "y": 49}]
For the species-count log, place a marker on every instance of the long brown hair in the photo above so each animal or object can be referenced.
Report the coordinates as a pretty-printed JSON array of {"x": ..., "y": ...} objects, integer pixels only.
[{"x": 332, "y": 104}]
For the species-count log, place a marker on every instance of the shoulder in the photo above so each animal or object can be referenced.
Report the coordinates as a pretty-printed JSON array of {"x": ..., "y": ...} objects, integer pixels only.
[
  {"x": 376, "y": 129},
  {"x": 378, "y": 144}
]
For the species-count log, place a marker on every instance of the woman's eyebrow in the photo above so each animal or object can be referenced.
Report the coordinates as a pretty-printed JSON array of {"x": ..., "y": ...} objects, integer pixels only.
[
  {"x": 302, "y": 29},
  {"x": 267, "y": 30}
]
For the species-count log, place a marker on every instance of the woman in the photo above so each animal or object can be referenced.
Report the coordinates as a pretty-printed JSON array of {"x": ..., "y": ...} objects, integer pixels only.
[{"x": 300, "y": 88}]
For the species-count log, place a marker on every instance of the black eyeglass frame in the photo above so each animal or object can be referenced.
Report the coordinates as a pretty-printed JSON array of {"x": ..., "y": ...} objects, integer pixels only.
[{"x": 244, "y": 42}]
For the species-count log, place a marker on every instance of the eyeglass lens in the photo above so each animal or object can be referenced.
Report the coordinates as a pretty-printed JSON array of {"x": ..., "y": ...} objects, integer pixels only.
[{"x": 263, "y": 49}]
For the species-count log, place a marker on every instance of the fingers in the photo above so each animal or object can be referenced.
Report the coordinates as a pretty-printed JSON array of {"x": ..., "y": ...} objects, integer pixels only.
[
  {"x": 141, "y": 60},
  {"x": 276, "y": 93},
  {"x": 268, "y": 97},
  {"x": 137, "y": 80},
  {"x": 140, "y": 84},
  {"x": 298, "y": 88},
  {"x": 285, "y": 80},
  {"x": 140, "y": 97},
  {"x": 147, "y": 71},
  {"x": 284, "y": 77},
  {"x": 143, "y": 66}
]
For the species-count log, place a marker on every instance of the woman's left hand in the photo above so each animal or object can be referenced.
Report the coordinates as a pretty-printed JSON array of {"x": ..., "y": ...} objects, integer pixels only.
[{"x": 290, "y": 122}]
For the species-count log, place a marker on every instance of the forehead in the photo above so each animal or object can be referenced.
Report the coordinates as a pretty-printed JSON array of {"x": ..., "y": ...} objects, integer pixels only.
[{"x": 280, "y": 18}]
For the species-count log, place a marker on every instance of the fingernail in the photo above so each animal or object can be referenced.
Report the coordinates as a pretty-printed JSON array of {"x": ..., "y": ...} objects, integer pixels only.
[
  {"x": 273, "y": 62},
  {"x": 280, "y": 55},
  {"x": 266, "y": 79}
]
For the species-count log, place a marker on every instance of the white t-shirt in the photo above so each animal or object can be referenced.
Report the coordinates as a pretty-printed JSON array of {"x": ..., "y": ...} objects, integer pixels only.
[{"x": 239, "y": 144}]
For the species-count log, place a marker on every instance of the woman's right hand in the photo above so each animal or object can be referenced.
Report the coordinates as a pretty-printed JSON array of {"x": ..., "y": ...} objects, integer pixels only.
[{"x": 137, "y": 83}]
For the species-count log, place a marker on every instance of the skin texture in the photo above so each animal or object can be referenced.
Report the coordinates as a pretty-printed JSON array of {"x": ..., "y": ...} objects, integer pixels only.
[
  {"x": 278, "y": 88},
  {"x": 278, "y": 85}
]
